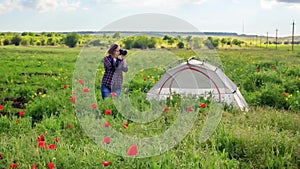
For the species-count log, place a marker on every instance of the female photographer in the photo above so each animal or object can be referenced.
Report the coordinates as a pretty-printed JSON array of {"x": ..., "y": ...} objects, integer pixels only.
[{"x": 113, "y": 71}]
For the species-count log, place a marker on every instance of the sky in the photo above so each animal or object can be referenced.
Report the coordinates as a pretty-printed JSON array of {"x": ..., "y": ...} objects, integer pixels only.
[{"x": 253, "y": 17}]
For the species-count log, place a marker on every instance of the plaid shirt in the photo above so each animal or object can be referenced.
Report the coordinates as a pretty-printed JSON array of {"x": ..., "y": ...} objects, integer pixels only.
[{"x": 113, "y": 73}]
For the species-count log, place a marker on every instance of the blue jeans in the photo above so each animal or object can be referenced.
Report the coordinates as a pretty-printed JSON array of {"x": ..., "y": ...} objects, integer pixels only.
[{"x": 105, "y": 91}]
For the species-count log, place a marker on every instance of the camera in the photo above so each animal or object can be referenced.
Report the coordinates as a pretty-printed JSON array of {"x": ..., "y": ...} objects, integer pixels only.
[{"x": 123, "y": 52}]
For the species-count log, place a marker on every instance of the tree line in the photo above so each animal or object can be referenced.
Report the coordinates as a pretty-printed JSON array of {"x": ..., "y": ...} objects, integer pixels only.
[{"x": 74, "y": 39}]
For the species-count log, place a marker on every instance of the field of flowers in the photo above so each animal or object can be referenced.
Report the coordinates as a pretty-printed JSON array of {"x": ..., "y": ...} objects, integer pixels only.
[{"x": 39, "y": 127}]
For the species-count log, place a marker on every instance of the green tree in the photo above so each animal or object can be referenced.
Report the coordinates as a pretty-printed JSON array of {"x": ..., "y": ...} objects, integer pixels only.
[
  {"x": 72, "y": 39},
  {"x": 196, "y": 42},
  {"x": 116, "y": 35},
  {"x": 16, "y": 40},
  {"x": 189, "y": 40},
  {"x": 152, "y": 42},
  {"x": 128, "y": 42},
  {"x": 141, "y": 42},
  {"x": 6, "y": 42},
  {"x": 180, "y": 45}
]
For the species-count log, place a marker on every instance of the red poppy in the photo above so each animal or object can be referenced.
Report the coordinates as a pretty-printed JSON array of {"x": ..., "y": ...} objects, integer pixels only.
[
  {"x": 56, "y": 139},
  {"x": 1, "y": 156},
  {"x": 106, "y": 163},
  {"x": 50, "y": 165},
  {"x": 106, "y": 140},
  {"x": 145, "y": 79},
  {"x": 13, "y": 165},
  {"x": 21, "y": 113},
  {"x": 94, "y": 105},
  {"x": 51, "y": 146},
  {"x": 34, "y": 166},
  {"x": 41, "y": 137},
  {"x": 85, "y": 90},
  {"x": 81, "y": 81},
  {"x": 125, "y": 125},
  {"x": 41, "y": 144},
  {"x": 132, "y": 151},
  {"x": 65, "y": 86},
  {"x": 73, "y": 98},
  {"x": 113, "y": 95},
  {"x": 106, "y": 124},
  {"x": 190, "y": 109},
  {"x": 108, "y": 112},
  {"x": 258, "y": 70},
  {"x": 1, "y": 107},
  {"x": 203, "y": 105},
  {"x": 69, "y": 126},
  {"x": 166, "y": 109}
]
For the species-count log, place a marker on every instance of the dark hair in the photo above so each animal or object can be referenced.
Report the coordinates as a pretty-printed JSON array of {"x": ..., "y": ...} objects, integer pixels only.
[{"x": 112, "y": 48}]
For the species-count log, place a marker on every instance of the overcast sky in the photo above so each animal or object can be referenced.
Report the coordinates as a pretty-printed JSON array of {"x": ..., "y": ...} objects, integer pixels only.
[{"x": 239, "y": 16}]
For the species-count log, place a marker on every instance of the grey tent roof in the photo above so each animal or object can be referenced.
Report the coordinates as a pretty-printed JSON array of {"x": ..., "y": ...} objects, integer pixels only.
[{"x": 198, "y": 78}]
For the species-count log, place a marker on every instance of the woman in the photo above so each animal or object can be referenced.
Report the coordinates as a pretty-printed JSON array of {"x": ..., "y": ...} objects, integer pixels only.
[{"x": 113, "y": 71}]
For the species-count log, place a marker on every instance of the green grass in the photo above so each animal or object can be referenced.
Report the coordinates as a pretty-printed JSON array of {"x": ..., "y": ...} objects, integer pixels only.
[{"x": 264, "y": 137}]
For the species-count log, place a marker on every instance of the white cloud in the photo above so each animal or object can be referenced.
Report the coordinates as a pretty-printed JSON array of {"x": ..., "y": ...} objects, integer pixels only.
[
  {"x": 236, "y": 1},
  {"x": 151, "y": 3},
  {"x": 37, "y": 5},
  {"x": 268, "y": 4},
  {"x": 7, "y": 6}
]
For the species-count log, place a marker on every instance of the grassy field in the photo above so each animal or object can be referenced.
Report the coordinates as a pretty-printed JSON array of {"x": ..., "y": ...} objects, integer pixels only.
[{"x": 38, "y": 124}]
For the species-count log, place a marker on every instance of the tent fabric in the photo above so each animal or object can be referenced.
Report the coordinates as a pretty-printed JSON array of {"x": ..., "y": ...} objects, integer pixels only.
[{"x": 198, "y": 78}]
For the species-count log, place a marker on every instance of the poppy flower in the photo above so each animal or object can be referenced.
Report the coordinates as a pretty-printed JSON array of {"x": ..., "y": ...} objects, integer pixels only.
[
  {"x": 94, "y": 105},
  {"x": 21, "y": 113},
  {"x": 108, "y": 112},
  {"x": 81, "y": 81},
  {"x": 145, "y": 79},
  {"x": 106, "y": 124},
  {"x": 1, "y": 107},
  {"x": 69, "y": 126},
  {"x": 73, "y": 99},
  {"x": 190, "y": 109},
  {"x": 203, "y": 105},
  {"x": 41, "y": 137},
  {"x": 132, "y": 151},
  {"x": 34, "y": 166},
  {"x": 51, "y": 146},
  {"x": 41, "y": 144},
  {"x": 56, "y": 139},
  {"x": 257, "y": 70},
  {"x": 85, "y": 90},
  {"x": 113, "y": 95},
  {"x": 65, "y": 86},
  {"x": 50, "y": 165},
  {"x": 106, "y": 140},
  {"x": 125, "y": 125},
  {"x": 166, "y": 109},
  {"x": 13, "y": 165},
  {"x": 106, "y": 163}
]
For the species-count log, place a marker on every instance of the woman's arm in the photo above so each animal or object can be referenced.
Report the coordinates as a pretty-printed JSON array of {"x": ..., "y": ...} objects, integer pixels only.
[
  {"x": 124, "y": 65},
  {"x": 107, "y": 64}
]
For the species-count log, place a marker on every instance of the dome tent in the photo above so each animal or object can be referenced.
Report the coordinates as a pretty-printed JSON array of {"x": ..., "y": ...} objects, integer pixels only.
[{"x": 199, "y": 78}]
